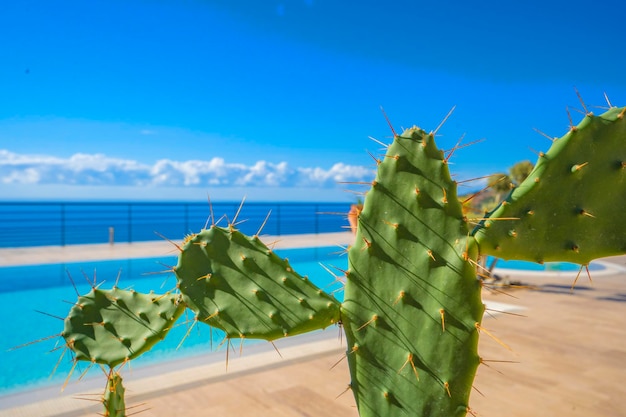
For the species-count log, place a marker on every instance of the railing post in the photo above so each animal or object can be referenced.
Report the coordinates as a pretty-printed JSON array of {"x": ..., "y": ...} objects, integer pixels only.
[
  {"x": 130, "y": 222},
  {"x": 186, "y": 205},
  {"x": 317, "y": 218},
  {"x": 278, "y": 219},
  {"x": 63, "y": 241}
]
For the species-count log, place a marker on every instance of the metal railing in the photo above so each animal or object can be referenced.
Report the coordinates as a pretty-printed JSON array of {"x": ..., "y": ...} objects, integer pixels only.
[{"x": 68, "y": 223}]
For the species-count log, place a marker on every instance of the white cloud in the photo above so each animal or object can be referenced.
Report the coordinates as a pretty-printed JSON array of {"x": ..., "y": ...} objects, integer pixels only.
[{"x": 98, "y": 169}]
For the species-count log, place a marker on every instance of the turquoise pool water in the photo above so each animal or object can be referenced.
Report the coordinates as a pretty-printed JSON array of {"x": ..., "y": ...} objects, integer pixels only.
[
  {"x": 26, "y": 291},
  {"x": 547, "y": 267}
]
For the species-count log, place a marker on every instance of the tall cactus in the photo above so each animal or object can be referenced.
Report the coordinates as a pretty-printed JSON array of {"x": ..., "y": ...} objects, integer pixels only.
[
  {"x": 412, "y": 310},
  {"x": 412, "y": 301}
]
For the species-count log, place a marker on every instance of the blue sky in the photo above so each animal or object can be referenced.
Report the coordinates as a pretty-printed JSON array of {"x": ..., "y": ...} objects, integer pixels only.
[{"x": 275, "y": 100}]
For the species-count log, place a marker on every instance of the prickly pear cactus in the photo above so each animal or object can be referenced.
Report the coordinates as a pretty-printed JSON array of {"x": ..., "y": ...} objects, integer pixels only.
[
  {"x": 237, "y": 284},
  {"x": 572, "y": 205},
  {"x": 412, "y": 306},
  {"x": 113, "y": 326}
]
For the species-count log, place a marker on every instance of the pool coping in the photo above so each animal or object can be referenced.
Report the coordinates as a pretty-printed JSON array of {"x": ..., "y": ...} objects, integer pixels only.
[{"x": 37, "y": 255}]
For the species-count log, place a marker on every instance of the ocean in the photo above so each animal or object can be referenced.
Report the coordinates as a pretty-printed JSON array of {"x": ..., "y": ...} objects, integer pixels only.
[{"x": 68, "y": 223}]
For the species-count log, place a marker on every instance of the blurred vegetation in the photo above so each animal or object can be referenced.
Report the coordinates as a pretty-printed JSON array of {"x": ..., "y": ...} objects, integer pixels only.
[{"x": 499, "y": 185}]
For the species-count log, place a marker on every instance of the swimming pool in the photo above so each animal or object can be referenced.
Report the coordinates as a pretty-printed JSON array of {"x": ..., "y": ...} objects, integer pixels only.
[
  {"x": 25, "y": 291},
  {"x": 545, "y": 267}
]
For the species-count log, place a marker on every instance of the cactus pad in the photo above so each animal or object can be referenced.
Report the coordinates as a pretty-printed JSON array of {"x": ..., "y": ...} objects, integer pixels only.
[
  {"x": 571, "y": 206},
  {"x": 113, "y": 326},
  {"x": 412, "y": 301},
  {"x": 237, "y": 284}
]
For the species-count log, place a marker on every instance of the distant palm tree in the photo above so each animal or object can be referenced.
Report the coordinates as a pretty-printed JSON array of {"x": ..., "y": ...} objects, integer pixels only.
[
  {"x": 500, "y": 183},
  {"x": 520, "y": 171}
]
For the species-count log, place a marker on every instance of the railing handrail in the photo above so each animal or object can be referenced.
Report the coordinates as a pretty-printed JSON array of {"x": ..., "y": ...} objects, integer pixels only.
[{"x": 26, "y": 223}]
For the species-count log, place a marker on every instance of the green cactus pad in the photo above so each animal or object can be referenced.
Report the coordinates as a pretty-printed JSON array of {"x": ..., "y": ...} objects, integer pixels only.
[
  {"x": 237, "y": 284},
  {"x": 113, "y": 326},
  {"x": 113, "y": 401},
  {"x": 572, "y": 205},
  {"x": 412, "y": 300}
]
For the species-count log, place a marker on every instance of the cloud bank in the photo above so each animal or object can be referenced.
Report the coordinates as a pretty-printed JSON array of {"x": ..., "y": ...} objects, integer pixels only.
[{"x": 101, "y": 170}]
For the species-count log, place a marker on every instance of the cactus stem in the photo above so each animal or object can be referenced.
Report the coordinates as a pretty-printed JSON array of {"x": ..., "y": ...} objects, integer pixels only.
[
  {"x": 409, "y": 360},
  {"x": 488, "y": 333}
]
